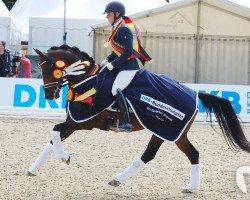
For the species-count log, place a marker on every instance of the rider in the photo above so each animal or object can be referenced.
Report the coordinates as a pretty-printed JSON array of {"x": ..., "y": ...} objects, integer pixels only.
[{"x": 123, "y": 56}]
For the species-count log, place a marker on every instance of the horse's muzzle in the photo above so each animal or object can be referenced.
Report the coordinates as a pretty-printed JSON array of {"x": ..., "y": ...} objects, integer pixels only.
[
  {"x": 49, "y": 96},
  {"x": 57, "y": 95}
]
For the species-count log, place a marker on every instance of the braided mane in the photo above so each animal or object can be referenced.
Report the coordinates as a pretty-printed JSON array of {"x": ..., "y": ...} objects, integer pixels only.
[{"x": 83, "y": 55}]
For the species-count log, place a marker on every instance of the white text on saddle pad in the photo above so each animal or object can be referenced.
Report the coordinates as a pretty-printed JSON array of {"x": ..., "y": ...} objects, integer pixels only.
[{"x": 162, "y": 106}]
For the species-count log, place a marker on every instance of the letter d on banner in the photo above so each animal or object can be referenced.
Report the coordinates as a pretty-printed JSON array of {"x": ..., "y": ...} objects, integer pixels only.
[{"x": 24, "y": 96}]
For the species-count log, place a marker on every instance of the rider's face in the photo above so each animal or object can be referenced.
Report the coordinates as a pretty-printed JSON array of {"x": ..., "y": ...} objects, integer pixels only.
[{"x": 110, "y": 17}]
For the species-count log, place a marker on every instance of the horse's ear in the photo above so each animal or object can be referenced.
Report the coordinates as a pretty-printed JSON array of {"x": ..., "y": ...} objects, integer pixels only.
[{"x": 41, "y": 55}]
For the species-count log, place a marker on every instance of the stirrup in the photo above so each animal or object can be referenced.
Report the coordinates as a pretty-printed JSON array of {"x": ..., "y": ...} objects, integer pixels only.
[{"x": 123, "y": 127}]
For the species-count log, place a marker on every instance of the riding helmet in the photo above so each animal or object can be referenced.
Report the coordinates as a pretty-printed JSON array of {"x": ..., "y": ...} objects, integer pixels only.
[{"x": 115, "y": 6}]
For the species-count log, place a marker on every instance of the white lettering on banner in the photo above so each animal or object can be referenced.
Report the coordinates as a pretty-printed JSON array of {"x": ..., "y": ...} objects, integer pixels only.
[{"x": 163, "y": 106}]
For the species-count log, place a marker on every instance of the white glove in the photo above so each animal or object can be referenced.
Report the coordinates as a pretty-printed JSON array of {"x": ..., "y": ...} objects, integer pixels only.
[
  {"x": 109, "y": 66},
  {"x": 103, "y": 63}
]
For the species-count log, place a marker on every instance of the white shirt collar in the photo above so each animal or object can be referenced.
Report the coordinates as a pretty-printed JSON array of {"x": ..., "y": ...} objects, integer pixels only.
[{"x": 117, "y": 22}]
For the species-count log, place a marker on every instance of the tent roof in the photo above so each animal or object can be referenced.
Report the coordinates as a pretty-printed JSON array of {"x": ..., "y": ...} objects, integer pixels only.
[
  {"x": 23, "y": 9},
  {"x": 225, "y": 5},
  {"x": 4, "y": 12},
  {"x": 10, "y": 29}
]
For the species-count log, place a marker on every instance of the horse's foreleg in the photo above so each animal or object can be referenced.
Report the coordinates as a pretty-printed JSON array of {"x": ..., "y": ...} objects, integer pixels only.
[
  {"x": 45, "y": 154},
  {"x": 57, "y": 147},
  {"x": 193, "y": 155},
  {"x": 40, "y": 160},
  {"x": 149, "y": 154},
  {"x": 59, "y": 133}
]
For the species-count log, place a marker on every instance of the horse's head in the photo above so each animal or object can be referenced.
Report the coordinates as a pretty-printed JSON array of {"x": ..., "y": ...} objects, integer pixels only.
[{"x": 61, "y": 64}]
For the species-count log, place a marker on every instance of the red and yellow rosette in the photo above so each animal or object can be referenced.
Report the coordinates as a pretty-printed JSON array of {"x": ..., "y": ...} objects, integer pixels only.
[
  {"x": 57, "y": 74},
  {"x": 71, "y": 95},
  {"x": 60, "y": 64}
]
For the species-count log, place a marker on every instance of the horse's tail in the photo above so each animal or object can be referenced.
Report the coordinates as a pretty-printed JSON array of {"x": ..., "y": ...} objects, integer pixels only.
[{"x": 227, "y": 120}]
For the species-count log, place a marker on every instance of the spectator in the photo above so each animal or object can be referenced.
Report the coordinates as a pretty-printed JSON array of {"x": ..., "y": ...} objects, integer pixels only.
[
  {"x": 23, "y": 69},
  {"x": 5, "y": 60}
]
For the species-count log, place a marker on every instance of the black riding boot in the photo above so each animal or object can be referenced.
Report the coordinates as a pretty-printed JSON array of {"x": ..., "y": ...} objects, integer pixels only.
[{"x": 122, "y": 104}]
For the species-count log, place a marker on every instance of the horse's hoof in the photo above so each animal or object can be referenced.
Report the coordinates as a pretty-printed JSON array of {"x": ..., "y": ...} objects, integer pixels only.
[
  {"x": 186, "y": 191},
  {"x": 66, "y": 161},
  {"x": 114, "y": 183},
  {"x": 30, "y": 174}
]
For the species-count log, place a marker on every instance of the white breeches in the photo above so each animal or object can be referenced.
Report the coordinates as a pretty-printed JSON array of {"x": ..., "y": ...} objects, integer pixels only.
[{"x": 122, "y": 80}]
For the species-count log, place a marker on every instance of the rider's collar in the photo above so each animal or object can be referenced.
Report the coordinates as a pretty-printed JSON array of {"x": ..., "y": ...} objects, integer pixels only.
[{"x": 117, "y": 22}]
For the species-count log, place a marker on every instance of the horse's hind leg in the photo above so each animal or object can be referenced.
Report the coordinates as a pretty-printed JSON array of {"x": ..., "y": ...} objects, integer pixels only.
[
  {"x": 149, "y": 154},
  {"x": 193, "y": 155}
]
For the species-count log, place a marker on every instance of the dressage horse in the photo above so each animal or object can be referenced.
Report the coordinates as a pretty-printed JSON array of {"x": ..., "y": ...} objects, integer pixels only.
[{"x": 90, "y": 99}]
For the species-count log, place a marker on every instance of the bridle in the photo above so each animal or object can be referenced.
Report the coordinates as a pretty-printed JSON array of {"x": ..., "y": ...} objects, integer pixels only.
[
  {"x": 59, "y": 78},
  {"x": 57, "y": 84}
]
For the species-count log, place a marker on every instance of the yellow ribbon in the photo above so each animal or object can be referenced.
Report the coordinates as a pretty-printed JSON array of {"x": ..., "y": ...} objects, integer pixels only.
[{"x": 86, "y": 95}]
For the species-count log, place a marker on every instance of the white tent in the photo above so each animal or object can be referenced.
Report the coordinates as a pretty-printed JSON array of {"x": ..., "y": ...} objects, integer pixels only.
[
  {"x": 23, "y": 9},
  {"x": 47, "y": 30},
  {"x": 10, "y": 29}
]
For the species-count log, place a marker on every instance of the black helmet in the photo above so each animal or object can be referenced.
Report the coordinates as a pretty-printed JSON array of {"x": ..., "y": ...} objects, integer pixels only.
[{"x": 115, "y": 6}]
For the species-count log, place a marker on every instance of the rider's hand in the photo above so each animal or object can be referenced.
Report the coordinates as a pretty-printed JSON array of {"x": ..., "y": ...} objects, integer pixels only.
[
  {"x": 109, "y": 66},
  {"x": 103, "y": 63}
]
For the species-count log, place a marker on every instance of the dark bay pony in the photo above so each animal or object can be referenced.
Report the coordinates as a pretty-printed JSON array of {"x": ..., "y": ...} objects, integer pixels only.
[{"x": 87, "y": 109}]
